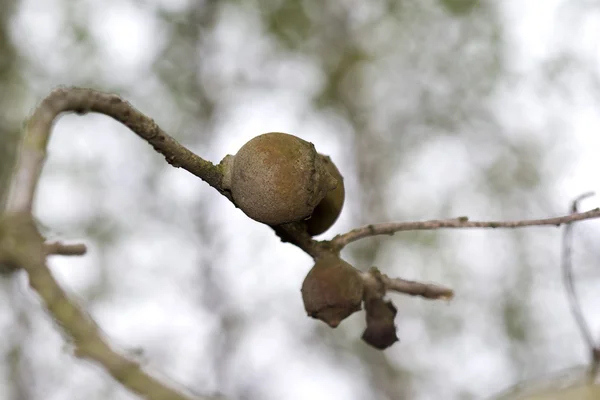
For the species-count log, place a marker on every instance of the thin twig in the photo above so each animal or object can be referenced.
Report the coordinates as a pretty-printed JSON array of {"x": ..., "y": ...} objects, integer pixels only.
[
  {"x": 90, "y": 344},
  {"x": 569, "y": 282},
  {"x": 380, "y": 313},
  {"x": 22, "y": 247},
  {"x": 32, "y": 151},
  {"x": 426, "y": 290},
  {"x": 64, "y": 249},
  {"x": 379, "y": 283},
  {"x": 342, "y": 240}
]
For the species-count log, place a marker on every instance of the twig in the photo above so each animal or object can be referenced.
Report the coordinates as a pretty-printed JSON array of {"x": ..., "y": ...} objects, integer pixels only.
[
  {"x": 375, "y": 281},
  {"x": 427, "y": 290},
  {"x": 22, "y": 246},
  {"x": 32, "y": 152},
  {"x": 569, "y": 282},
  {"x": 63, "y": 249},
  {"x": 381, "y": 313},
  {"x": 342, "y": 240}
]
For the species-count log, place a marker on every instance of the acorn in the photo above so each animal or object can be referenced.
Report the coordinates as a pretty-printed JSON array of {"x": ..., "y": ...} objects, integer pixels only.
[
  {"x": 276, "y": 178},
  {"x": 329, "y": 209},
  {"x": 332, "y": 290}
]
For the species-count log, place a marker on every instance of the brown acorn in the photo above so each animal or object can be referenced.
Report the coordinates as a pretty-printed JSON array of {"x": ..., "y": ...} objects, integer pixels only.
[
  {"x": 329, "y": 209},
  {"x": 276, "y": 178},
  {"x": 332, "y": 290}
]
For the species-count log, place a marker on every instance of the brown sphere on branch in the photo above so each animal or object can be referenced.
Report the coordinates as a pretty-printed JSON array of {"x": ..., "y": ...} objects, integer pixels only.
[
  {"x": 332, "y": 290},
  {"x": 276, "y": 178}
]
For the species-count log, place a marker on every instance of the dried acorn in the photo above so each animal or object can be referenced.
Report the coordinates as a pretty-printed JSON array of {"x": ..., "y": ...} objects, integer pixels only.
[
  {"x": 332, "y": 290},
  {"x": 329, "y": 209},
  {"x": 276, "y": 178}
]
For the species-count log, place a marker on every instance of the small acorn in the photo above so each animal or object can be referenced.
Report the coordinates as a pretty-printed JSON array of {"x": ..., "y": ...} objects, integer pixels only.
[
  {"x": 332, "y": 290},
  {"x": 329, "y": 209},
  {"x": 276, "y": 178}
]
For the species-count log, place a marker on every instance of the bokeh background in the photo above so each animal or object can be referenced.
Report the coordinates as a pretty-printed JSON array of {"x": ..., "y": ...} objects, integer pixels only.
[{"x": 430, "y": 108}]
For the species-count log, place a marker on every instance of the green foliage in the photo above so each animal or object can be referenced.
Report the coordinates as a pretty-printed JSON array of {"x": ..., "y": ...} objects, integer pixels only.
[
  {"x": 459, "y": 7},
  {"x": 289, "y": 23}
]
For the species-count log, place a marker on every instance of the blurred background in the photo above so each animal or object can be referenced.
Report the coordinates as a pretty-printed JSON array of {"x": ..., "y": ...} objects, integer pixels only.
[{"x": 430, "y": 108}]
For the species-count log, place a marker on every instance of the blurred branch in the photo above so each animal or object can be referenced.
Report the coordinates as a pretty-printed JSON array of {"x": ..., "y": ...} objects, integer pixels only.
[
  {"x": 569, "y": 281},
  {"x": 21, "y": 246},
  {"x": 340, "y": 241},
  {"x": 62, "y": 249}
]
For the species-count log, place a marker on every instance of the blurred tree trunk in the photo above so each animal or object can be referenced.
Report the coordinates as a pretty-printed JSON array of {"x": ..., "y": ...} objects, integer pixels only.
[{"x": 10, "y": 94}]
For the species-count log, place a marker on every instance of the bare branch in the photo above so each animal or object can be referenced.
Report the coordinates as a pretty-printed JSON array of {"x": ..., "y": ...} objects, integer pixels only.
[
  {"x": 22, "y": 246},
  {"x": 427, "y": 290},
  {"x": 63, "y": 249},
  {"x": 341, "y": 241},
  {"x": 32, "y": 152},
  {"x": 30, "y": 254},
  {"x": 569, "y": 282},
  {"x": 89, "y": 343},
  {"x": 381, "y": 283}
]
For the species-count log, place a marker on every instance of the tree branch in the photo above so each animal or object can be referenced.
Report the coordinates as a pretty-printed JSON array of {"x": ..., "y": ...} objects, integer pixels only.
[
  {"x": 22, "y": 246},
  {"x": 28, "y": 251},
  {"x": 62, "y": 249},
  {"x": 340, "y": 241},
  {"x": 375, "y": 281},
  {"x": 32, "y": 152}
]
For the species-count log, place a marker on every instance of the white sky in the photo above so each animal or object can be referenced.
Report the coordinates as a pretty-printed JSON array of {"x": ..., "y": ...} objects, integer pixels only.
[{"x": 541, "y": 29}]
